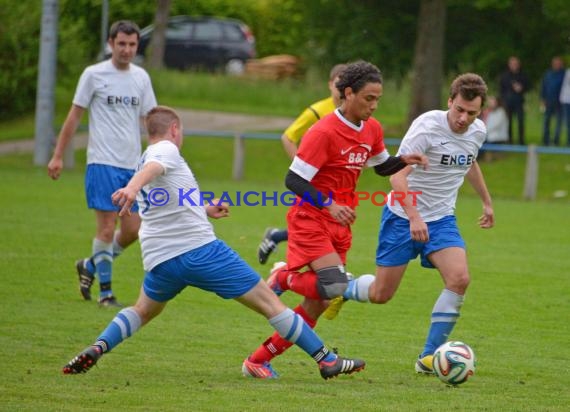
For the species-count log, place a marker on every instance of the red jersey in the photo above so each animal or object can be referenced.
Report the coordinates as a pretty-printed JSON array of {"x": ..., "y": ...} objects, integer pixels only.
[{"x": 334, "y": 151}]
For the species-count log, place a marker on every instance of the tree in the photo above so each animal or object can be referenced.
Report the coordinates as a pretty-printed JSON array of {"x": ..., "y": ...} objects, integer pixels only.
[
  {"x": 427, "y": 71},
  {"x": 156, "y": 58}
]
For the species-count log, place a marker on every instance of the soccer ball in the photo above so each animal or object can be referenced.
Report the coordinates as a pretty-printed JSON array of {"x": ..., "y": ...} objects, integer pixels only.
[{"x": 454, "y": 362}]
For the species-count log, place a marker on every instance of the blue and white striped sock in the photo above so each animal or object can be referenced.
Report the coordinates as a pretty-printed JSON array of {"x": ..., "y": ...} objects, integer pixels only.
[
  {"x": 443, "y": 318},
  {"x": 357, "y": 289},
  {"x": 123, "y": 326},
  {"x": 293, "y": 328},
  {"x": 103, "y": 260}
]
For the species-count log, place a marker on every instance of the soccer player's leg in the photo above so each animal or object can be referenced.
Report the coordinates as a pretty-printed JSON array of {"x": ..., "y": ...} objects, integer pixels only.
[
  {"x": 271, "y": 238},
  {"x": 102, "y": 257},
  {"x": 446, "y": 252},
  {"x": 395, "y": 249},
  {"x": 291, "y": 326},
  {"x": 126, "y": 323},
  {"x": 311, "y": 242},
  {"x": 278, "y": 278},
  {"x": 275, "y": 345},
  {"x": 101, "y": 181}
]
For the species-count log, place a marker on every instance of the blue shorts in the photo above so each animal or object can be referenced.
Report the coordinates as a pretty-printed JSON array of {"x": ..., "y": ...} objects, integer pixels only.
[
  {"x": 101, "y": 181},
  {"x": 396, "y": 247},
  {"x": 214, "y": 267}
]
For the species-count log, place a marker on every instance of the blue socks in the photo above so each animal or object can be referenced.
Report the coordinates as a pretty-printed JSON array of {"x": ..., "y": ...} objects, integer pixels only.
[
  {"x": 443, "y": 318},
  {"x": 103, "y": 260},
  {"x": 293, "y": 328},
  {"x": 123, "y": 326}
]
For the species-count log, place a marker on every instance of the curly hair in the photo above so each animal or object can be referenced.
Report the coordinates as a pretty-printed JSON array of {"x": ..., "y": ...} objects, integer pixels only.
[
  {"x": 356, "y": 75},
  {"x": 469, "y": 86}
]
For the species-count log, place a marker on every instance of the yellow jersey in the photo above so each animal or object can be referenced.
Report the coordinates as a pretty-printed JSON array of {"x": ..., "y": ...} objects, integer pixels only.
[{"x": 309, "y": 117}]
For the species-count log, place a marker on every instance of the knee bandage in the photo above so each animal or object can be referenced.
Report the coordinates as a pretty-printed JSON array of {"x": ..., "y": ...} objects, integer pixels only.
[{"x": 332, "y": 281}]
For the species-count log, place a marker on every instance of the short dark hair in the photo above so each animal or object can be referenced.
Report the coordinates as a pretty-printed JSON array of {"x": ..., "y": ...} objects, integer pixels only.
[
  {"x": 159, "y": 119},
  {"x": 124, "y": 26},
  {"x": 469, "y": 86},
  {"x": 356, "y": 75},
  {"x": 336, "y": 71}
]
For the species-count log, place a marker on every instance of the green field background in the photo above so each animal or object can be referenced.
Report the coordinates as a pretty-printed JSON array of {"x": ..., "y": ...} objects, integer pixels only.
[{"x": 515, "y": 317}]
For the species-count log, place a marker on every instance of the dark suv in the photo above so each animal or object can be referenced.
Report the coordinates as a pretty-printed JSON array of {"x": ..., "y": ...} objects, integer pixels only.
[{"x": 210, "y": 43}]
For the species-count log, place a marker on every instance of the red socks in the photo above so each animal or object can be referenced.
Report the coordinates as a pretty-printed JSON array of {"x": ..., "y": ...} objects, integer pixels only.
[{"x": 276, "y": 345}]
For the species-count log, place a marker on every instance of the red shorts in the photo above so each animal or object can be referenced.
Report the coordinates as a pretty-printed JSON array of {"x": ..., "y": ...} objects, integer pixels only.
[{"x": 312, "y": 235}]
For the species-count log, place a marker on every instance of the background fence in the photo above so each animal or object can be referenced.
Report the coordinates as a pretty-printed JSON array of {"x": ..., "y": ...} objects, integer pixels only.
[{"x": 530, "y": 176}]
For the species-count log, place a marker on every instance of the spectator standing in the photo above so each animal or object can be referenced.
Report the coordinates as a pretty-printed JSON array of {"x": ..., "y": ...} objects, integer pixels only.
[
  {"x": 550, "y": 99},
  {"x": 497, "y": 122},
  {"x": 565, "y": 102},
  {"x": 513, "y": 85}
]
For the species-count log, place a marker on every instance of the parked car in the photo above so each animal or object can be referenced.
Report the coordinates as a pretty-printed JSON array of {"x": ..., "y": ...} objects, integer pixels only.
[{"x": 211, "y": 43}]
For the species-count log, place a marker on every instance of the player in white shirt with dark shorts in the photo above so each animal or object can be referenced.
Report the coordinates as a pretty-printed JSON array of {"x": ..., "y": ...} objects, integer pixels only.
[
  {"x": 451, "y": 140},
  {"x": 180, "y": 249},
  {"x": 117, "y": 94}
]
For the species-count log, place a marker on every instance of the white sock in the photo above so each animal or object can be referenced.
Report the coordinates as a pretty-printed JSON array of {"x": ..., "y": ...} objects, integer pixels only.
[{"x": 358, "y": 288}]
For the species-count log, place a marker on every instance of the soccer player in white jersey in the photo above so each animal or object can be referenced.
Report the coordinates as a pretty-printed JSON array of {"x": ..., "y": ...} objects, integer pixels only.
[
  {"x": 451, "y": 140},
  {"x": 180, "y": 249},
  {"x": 117, "y": 94}
]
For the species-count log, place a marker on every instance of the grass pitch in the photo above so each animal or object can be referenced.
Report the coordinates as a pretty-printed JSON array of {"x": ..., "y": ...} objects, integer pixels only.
[{"x": 189, "y": 358}]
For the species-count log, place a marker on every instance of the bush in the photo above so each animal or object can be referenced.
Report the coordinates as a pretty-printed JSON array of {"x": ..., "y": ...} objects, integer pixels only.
[{"x": 18, "y": 57}]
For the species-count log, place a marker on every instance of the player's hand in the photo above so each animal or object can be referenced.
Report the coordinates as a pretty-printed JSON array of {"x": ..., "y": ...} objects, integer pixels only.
[
  {"x": 415, "y": 159},
  {"x": 217, "y": 210},
  {"x": 124, "y": 198},
  {"x": 487, "y": 220},
  {"x": 54, "y": 167},
  {"x": 343, "y": 214},
  {"x": 419, "y": 230}
]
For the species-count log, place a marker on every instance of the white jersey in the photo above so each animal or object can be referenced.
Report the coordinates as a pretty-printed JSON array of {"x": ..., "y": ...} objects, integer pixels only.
[
  {"x": 181, "y": 224},
  {"x": 116, "y": 99},
  {"x": 450, "y": 157}
]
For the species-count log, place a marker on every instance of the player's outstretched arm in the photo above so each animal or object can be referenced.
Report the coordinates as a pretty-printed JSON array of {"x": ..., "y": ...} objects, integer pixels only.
[{"x": 126, "y": 196}]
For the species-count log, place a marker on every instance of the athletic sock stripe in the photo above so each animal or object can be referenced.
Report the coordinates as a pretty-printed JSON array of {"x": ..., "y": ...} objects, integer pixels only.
[
  {"x": 123, "y": 323},
  {"x": 103, "y": 255},
  {"x": 295, "y": 330},
  {"x": 271, "y": 348}
]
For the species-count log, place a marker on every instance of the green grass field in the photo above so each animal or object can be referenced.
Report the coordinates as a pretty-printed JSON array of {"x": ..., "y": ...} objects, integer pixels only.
[{"x": 515, "y": 316}]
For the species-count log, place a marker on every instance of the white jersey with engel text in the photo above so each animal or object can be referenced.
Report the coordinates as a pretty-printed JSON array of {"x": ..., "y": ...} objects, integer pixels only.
[
  {"x": 174, "y": 220},
  {"x": 450, "y": 157},
  {"x": 116, "y": 99}
]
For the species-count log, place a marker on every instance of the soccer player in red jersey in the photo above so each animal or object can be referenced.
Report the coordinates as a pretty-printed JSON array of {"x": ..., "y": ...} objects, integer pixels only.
[{"x": 324, "y": 174}]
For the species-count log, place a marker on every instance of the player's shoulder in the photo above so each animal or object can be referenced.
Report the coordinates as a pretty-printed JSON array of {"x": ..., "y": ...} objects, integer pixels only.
[
  {"x": 164, "y": 148},
  {"x": 432, "y": 116},
  {"x": 479, "y": 126},
  {"x": 430, "y": 121},
  {"x": 138, "y": 70},
  {"x": 478, "y": 130},
  {"x": 99, "y": 67},
  {"x": 323, "y": 106}
]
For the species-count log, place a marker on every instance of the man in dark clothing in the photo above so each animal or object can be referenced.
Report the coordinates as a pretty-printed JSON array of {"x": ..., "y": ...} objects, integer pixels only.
[
  {"x": 550, "y": 99},
  {"x": 513, "y": 85}
]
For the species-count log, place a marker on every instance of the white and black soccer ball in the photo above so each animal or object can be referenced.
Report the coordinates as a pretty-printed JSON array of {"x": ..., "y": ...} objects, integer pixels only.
[{"x": 454, "y": 362}]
